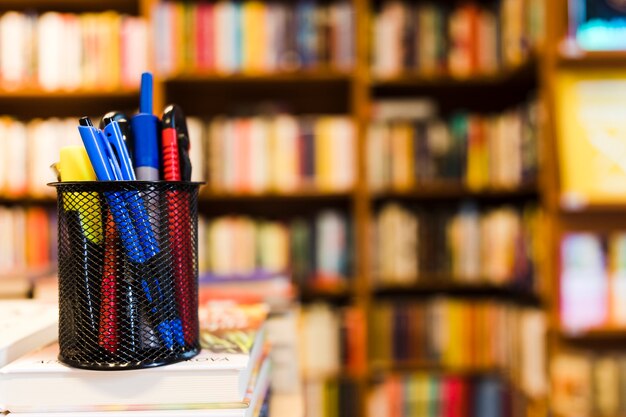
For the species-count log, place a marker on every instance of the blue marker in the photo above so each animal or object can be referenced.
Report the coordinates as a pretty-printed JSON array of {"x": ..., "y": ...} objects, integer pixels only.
[{"x": 144, "y": 126}]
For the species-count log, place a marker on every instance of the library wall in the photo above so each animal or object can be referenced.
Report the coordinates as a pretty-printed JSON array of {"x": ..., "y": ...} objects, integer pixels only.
[{"x": 410, "y": 167}]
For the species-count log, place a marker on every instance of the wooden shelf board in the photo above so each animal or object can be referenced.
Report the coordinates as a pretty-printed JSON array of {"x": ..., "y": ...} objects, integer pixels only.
[
  {"x": 208, "y": 195},
  {"x": 456, "y": 190},
  {"x": 583, "y": 208},
  {"x": 448, "y": 287},
  {"x": 337, "y": 294},
  {"x": 432, "y": 368},
  {"x": 38, "y": 93},
  {"x": 75, "y": 6},
  {"x": 479, "y": 80},
  {"x": 580, "y": 58},
  {"x": 26, "y": 200},
  {"x": 275, "y": 77},
  {"x": 595, "y": 335}
]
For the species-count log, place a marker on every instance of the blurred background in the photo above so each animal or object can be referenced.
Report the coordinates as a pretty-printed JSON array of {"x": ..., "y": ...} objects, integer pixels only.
[{"x": 430, "y": 195}]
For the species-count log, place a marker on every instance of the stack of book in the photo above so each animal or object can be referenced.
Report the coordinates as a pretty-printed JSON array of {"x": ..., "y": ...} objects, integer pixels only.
[{"x": 229, "y": 377}]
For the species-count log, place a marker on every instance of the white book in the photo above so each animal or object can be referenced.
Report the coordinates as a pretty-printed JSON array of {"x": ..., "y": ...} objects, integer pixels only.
[
  {"x": 220, "y": 256},
  {"x": 4, "y": 153},
  {"x": 162, "y": 35},
  {"x": 25, "y": 325},
  {"x": 212, "y": 379},
  {"x": 230, "y": 158},
  {"x": 50, "y": 50},
  {"x": 17, "y": 158},
  {"x": 13, "y": 46},
  {"x": 258, "y": 141},
  {"x": 72, "y": 47},
  {"x": 134, "y": 50},
  {"x": 6, "y": 251},
  {"x": 43, "y": 152},
  {"x": 195, "y": 127},
  {"x": 257, "y": 396},
  {"x": 225, "y": 13}
]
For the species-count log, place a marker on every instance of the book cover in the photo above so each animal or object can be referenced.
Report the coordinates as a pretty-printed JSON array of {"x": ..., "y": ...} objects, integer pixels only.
[{"x": 591, "y": 136}]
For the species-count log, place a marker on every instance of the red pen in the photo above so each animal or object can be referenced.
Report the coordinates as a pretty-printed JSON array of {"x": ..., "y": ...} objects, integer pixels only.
[
  {"x": 177, "y": 167},
  {"x": 107, "y": 336}
]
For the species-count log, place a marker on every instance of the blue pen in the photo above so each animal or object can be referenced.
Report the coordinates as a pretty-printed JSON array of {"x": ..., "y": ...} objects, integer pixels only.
[
  {"x": 106, "y": 169},
  {"x": 145, "y": 130}
]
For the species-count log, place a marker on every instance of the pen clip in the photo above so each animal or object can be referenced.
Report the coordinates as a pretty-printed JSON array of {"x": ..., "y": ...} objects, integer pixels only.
[
  {"x": 174, "y": 118},
  {"x": 112, "y": 134}
]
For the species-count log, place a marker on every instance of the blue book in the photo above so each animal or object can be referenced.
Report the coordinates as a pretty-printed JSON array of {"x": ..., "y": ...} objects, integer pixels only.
[{"x": 489, "y": 398}]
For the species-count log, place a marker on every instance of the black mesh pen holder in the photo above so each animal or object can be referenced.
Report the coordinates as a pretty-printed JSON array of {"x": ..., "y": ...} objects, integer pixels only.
[{"x": 128, "y": 273}]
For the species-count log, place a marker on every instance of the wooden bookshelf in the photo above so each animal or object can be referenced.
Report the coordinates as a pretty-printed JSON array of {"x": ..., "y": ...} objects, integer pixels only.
[{"x": 324, "y": 91}]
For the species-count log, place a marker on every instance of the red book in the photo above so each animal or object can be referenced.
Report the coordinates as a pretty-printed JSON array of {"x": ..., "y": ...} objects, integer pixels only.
[{"x": 205, "y": 39}]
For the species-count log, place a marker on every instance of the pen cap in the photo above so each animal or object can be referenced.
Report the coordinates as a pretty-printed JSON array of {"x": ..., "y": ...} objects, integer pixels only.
[
  {"x": 146, "y": 151},
  {"x": 74, "y": 164}
]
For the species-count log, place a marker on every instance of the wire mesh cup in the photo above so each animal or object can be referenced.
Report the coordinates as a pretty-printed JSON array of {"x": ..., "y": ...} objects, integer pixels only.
[{"x": 128, "y": 273}]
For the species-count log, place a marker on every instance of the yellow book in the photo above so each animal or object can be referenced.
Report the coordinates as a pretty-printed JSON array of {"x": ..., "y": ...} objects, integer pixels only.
[
  {"x": 110, "y": 50},
  {"x": 323, "y": 154},
  {"x": 477, "y": 153},
  {"x": 254, "y": 32},
  {"x": 177, "y": 23},
  {"x": 591, "y": 136},
  {"x": 403, "y": 166}
]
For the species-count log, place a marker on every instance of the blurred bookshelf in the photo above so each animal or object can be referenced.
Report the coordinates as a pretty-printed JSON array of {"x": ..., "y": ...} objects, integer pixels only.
[{"x": 466, "y": 101}]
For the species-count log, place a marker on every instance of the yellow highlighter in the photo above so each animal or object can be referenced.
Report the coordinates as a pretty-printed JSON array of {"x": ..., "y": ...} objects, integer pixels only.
[{"x": 74, "y": 165}]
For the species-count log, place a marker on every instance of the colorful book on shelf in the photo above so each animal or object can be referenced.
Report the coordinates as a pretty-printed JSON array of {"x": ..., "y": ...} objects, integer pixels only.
[
  {"x": 584, "y": 296},
  {"x": 591, "y": 136},
  {"x": 223, "y": 375},
  {"x": 439, "y": 395}
]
